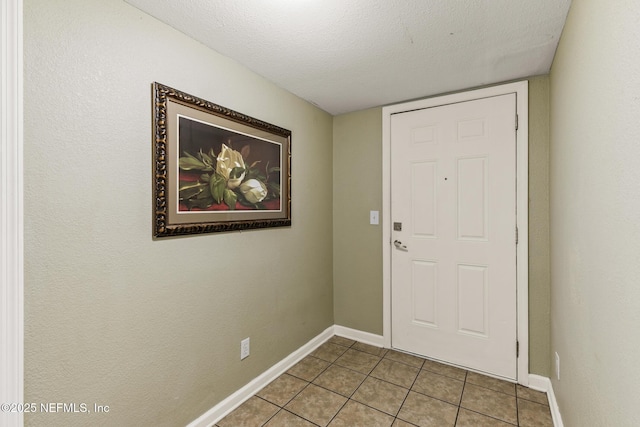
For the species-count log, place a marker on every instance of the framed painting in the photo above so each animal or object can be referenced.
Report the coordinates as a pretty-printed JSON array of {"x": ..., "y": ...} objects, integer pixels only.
[{"x": 216, "y": 169}]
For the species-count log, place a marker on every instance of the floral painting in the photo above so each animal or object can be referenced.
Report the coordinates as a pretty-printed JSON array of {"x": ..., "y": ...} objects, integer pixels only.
[
  {"x": 223, "y": 170},
  {"x": 216, "y": 169}
]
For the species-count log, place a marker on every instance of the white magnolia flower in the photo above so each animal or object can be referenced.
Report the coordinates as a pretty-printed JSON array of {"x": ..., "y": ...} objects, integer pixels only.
[
  {"x": 253, "y": 190},
  {"x": 227, "y": 160}
]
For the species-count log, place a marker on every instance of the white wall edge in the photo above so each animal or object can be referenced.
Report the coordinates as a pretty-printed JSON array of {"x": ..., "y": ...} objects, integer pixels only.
[
  {"x": 386, "y": 224},
  {"x": 223, "y": 408},
  {"x": 522, "y": 222},
  {"x": 521, "y": 89},
  {"x": 11, "y": 212},
  {"x": 544, "y": 384},
  {"x": 363, "y": 337}
]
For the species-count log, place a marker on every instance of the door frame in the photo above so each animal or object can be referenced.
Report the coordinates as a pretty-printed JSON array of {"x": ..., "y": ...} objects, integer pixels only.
[
  {"x": 11, "y": 211},
  {"x": 521, "y": 90}
]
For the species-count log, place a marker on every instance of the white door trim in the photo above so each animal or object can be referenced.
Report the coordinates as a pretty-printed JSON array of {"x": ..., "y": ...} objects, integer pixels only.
[
  {"x": 11, "y": 211},
  {"x": 522, "y": 206}
]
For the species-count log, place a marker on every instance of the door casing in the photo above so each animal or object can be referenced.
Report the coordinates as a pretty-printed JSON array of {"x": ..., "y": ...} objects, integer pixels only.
[{"x": 522, "y": 213}]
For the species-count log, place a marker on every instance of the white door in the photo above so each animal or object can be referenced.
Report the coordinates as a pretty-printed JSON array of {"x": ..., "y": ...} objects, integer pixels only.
[{"x": 453, "y": 194}]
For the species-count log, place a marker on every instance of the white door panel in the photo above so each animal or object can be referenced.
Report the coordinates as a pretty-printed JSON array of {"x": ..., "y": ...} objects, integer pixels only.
[{"x": 454, "y": 191}]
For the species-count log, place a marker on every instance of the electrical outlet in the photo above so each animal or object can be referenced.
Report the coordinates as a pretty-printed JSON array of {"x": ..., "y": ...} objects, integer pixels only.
[
  {"x": 244, "y": 348},
  {"x": 557, "y": 366}
]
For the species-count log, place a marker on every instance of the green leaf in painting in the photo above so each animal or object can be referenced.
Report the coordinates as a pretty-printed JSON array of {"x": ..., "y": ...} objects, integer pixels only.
[
  {"x": 274, "y": 169},
  {"x": 188, "y": 190},
  {"x": 230, "y": 198},
  {"x": 191, "y": 163},
  {"x": 206, "y": 193},
  {"x": 255, "y": 174},
  {"x": 275, "y": 187},
  {"x": 199, "y": 203},
  {"x": 206, "y": 159},
  {"x": 244, "y": 202},
  {"x": 236, "y": 172},
  {"x": 217, "y": 185}
]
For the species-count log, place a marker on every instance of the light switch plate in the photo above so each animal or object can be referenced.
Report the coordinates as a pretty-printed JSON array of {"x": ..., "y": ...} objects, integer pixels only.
[
  {"x": 374, "y": 217},
  {"x": 244, "y": 348}
]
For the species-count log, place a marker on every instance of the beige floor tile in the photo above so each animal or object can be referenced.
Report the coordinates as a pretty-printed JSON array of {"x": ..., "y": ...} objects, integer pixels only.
[
  {"x": 532, "y": 395},
  {"x": 409, "y": 359},
  {"x": 358, "y": 361},
  {"x": 287, "y": 419},
  {"x": 531, "y": 414},
  {"x": 348, "y": 383},
  {"x": 371, "y": 349},
  {"x": 346, "y": 342},
  {"x": 308, "y": 368},
  {"x": 425, "y": 411},
  {"x": 395, "y": 372},
  {"x": 340, "y": 380},
  {"x": 355, "y": 414},
  {"x": 316, "y": 404},
  {"x": 380, "y": 395},
  {"x": 490, "y": 402},
  {"x": 281, "y": 390},
  {"x": 253, "y": 412},
  {"x": 492, "y": 383},
  {"x": 468, "y": 418},
  {"x": 446, "y": 370},
  {"x": 329, "y": 351},
  {"x": 439, "y": 386}
]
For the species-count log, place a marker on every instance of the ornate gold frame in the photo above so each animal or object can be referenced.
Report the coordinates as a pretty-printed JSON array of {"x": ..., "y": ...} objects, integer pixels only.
[{"x": 173, "y": 113}]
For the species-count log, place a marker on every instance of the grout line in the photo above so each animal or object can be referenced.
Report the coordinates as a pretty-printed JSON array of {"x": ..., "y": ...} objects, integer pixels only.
[
  {"x": 279, "y": 409},
  {"x": 299, "y": 416},
  {"x": 464, "y": 384},
  {"x": 408, "y": 392},
  {"x": 489, "y": 416},
  {"x": 349, "y": 398},
  {"x": 517, "y": 410}
]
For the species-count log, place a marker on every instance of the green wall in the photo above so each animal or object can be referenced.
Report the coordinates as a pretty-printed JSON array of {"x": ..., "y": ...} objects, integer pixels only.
[
  {"x": 152, "y": 328},
  {"x": 595, "y": 206},
  {"x": 357, "y": 246},
  {"x": 539, "y": 265}
]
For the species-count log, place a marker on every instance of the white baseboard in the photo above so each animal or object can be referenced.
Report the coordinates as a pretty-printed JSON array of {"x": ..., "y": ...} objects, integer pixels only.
[
  {"x": 363, "y": 337},
  {"x": 539, "y": 383},
  {"x": 223, "y": 408},
  {"x": 553, "y": 405},
  {"x": 544, "y": 384}
]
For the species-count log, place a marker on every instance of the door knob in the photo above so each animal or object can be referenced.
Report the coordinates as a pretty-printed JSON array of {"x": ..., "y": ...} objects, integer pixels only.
[{"x": 399, "y": 245}]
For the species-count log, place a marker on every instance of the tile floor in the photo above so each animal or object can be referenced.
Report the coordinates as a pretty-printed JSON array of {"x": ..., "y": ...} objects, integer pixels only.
[{"x": 350, "y": 384}]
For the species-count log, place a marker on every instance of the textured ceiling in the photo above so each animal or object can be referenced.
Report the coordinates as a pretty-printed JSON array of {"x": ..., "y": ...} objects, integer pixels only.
[{"x": 347, "y": 55}]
